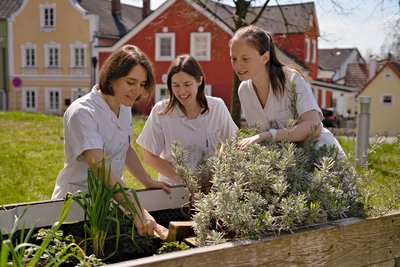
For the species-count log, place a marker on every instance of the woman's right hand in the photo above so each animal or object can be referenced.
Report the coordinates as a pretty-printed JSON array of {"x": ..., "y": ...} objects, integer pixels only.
[{"x": 146, "y": 224}]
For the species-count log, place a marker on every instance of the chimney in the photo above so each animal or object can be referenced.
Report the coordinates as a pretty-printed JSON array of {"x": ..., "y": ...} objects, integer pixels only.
[
  {"x": 372, "y": 68},
  {"x": 117, "y": 16},
  {"x": 116, "y": 8},
  {"x": 146, "y": 9}
]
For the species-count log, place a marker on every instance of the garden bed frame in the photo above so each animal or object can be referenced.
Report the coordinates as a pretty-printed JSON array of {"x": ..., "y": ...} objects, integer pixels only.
[{"x": 347, "y": 242}]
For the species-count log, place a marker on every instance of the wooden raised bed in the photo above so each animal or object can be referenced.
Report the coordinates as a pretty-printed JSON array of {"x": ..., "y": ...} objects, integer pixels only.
[{"x": 348, "y": 242}]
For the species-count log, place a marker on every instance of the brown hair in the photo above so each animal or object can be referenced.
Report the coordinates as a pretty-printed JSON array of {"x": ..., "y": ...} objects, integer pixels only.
[
  {"x": 186, "y": 63},
  {"x": 262, "y": 41},
  {"x": 120, "y": 63}
]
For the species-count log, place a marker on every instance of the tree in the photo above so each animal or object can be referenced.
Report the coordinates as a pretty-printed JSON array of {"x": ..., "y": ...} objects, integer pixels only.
[{"x": 391, "y": 46}]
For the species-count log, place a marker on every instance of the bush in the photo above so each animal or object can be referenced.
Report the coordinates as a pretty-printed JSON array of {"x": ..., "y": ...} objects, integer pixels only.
[{"x": 269, "y": 188}]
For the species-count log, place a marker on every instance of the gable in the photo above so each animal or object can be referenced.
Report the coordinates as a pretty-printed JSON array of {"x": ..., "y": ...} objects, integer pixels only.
[
  {"x": 388, "y": 78},
  {"x": 186, "y": 12}
]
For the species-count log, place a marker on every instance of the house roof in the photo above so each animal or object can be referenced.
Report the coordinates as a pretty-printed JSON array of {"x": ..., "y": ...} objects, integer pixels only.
[
  {"x": 393, "y": 65},
  {"x": 274, "y": 18},
  {"x": 356, "y": 75},
  {"x": 8, "y": 7},
  {"x": 333, "y": 58},
  {"x": 131, "y": 15}
]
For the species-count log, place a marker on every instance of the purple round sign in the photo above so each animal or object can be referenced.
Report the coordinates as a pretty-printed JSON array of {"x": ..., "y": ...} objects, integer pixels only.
[{"x": 17, "y": 82}]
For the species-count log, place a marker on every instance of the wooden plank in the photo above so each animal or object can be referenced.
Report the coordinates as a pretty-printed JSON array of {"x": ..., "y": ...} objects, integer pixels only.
[
  {"x": 179, "y": 230},
  {"x": 350, "y": 242},
  {"x": 47, "y": 212}
]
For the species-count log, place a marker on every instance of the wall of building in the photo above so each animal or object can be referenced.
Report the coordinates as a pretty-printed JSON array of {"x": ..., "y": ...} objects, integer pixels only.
[{"x": 384, "y": 117}]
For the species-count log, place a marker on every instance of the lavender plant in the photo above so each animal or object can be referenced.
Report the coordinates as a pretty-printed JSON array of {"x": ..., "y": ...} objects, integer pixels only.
[{"x": 269, "y": 188}]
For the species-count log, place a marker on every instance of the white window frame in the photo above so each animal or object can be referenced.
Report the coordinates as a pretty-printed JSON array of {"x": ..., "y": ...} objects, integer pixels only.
[
  {"x": 29, "y": 107},
  {"x": 208, "y": 89},
  {"x": 77, "y": 92},
  {"x": 48, "y": 48},
  {"x": 387, "y": 95},
  {"x": 49, "y": 101},
  {"x": 194, "y": 46},
  {"x": 158, "y": 96},
  {"x": 47, "y": 23},
  {"x": 82, "y": 48},
  {"x": 25, "y": 49},
  {"x": 168, "y": 35},
  {"x": 307, "y": 59},
  {"x": 314, "y": 51}
]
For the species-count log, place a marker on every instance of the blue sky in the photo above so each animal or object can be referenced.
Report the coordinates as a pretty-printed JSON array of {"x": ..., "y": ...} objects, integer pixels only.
[{"x": 364, "y": 26}]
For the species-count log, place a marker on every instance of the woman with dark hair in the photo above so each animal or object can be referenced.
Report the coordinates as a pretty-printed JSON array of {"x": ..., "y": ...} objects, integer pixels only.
[
  {"x": 197, "y": 121},
  {"x": 272, "y": 93},
  {"x": 99, "y": 126}
]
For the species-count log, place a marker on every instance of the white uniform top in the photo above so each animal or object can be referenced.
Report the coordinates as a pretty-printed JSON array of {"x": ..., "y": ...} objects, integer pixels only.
[
  {"x": 195, "y": 136},
  {"x": 89, "y": 123},
  {"x": 277, "y": 111}
]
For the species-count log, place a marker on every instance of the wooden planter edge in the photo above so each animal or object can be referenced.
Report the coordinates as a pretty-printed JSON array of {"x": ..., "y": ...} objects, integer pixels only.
[{"x": 348, "y": 242}]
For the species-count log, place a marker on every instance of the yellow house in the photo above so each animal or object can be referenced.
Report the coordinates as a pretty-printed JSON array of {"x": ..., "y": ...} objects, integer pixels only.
[
  {"x": 49, "y": 55},
  {"x": 384, "y": 90}
]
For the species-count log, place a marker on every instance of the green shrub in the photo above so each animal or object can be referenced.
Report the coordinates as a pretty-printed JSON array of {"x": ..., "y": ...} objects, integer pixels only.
[{"x": 269, "y": 188}]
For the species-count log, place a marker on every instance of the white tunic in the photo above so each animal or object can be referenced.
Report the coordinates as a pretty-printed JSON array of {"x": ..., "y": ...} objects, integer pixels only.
[
  {"x": 277, "y": 111},
  {"x": 89, "y": 123},
  {"x": 195, "y": 136}
]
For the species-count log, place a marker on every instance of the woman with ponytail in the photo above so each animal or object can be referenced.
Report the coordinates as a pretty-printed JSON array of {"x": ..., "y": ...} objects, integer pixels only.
[{"x": 272, "y": 93}]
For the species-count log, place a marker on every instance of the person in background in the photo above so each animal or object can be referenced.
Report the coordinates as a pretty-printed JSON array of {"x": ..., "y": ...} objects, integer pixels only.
[
  {"x": 197, "y": 121},
  {"x": 99, "y": 125},
  {"x": 271, "y": 93}
]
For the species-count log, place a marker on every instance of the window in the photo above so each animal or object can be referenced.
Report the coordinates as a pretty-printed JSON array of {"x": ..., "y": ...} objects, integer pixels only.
[
  {"x": 77, "y": 93},
  {"x": 161, "y": 92},
  {"x": 29, "y": 102},
  {"x": 52, "y": 54},
  {"x": 53, "y": 100},
  {"x": 47, "y": 16},
  {"x": 28, "y": 55},
  {"x": 314, "y": 51},
  {"x": 200, "y": 45},
  {"x": 307, "y": 59},
  {"x": 387, "y": 99},
  {"x": 78, "y": 55},
  {"x": 387, "y": 76},
  {"x": 207, "y": 89},
  {"x": 165, "y": 46}
]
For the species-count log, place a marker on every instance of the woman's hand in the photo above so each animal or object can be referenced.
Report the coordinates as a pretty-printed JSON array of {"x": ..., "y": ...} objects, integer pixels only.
[
  {"x": 255, "y": 139},
  {"x": 159, "y": 184},
  {"x": 146, "y": 225}
]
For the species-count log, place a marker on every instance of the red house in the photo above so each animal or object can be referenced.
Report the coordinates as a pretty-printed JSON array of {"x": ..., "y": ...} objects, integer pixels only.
[{"x": 182, "y": 26}]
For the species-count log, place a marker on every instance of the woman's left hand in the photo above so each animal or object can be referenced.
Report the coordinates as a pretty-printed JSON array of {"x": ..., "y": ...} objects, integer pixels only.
[
  {"x": 159, "y": 184},
  {"x": 255, "y": 139}
]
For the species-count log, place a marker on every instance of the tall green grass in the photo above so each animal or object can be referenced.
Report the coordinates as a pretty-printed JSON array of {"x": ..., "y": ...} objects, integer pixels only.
[{"x": 32, "y": 154}]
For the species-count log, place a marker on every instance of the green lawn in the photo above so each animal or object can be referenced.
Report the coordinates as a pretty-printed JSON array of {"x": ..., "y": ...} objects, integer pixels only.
[{"x": 31, "y": 155}]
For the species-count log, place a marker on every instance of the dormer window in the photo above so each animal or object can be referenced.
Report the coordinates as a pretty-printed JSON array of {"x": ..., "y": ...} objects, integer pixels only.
[{"x": 48, "y": 17}]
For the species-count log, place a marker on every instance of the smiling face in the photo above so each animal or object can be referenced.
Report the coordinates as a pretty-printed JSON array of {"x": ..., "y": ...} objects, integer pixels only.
[
  {"x": 247, "y": 61},
  {"x": 185, "y": 88},
  {"x": 128, "y": 89}
]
